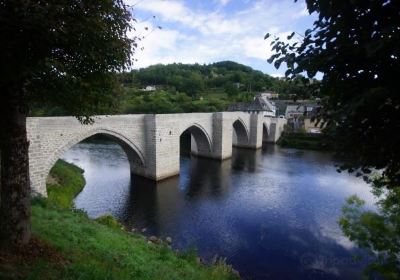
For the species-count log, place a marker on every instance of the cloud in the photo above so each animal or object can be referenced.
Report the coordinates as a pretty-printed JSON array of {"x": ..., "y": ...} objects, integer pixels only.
[
  {"x": 160, "y": 46},
  {"x": 209, "y": 34},
  {"x": 224, "y": 2},
  {"x": 171, "y": 11}
]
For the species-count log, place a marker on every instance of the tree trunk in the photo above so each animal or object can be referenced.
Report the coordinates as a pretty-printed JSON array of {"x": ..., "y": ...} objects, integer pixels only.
[{"x": 15, "y": 208}]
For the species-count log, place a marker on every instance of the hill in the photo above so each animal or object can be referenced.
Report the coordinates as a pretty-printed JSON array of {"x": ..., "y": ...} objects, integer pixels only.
[{"x": 176, "y": 88}]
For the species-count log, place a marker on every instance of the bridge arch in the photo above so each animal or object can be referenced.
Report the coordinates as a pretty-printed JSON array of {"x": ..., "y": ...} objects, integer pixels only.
[
  {"x": 240, "y": 133},
  {"x": 266, "y": 132},
  {"x": 200, "y": 141},
  {"x": 135, "y": 156}
]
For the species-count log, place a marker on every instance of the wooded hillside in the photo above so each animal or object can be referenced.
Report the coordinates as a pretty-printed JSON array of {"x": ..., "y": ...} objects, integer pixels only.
[{"x": 177, "y": 88}]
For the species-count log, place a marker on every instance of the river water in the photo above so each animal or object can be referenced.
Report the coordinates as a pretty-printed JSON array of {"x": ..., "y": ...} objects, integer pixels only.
[{"x": 272, "y": 213}]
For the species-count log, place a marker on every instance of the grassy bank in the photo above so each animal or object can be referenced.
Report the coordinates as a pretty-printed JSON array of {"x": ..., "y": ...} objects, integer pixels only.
[
  {"x": 303, "y": 141},
  {"x": 64, "y": 183},
  {"x": 74, "y": 247}
]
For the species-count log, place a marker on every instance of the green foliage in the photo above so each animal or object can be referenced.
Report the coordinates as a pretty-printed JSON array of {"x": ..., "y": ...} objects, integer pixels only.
[
  {"x": 60, "y": 54},
  {"x": 231, "y": 90},
  {"x": 190, "y": 88},
  {"x": 303, "y": 141},
  {"x": 63, "y": 53},
  {"x": 298, "y": 87},
  {"x": 199, "y": 79},
  {"x": 109, "y": 221},
  {"x": 163, "y": 101},
  {"x": 66, "y": 183},
  {"x": 354, "y": 44},
  {"x": 377, "y": 232}
]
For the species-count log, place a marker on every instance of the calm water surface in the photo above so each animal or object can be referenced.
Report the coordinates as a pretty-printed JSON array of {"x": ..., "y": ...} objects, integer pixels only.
[{"x": 272, "y": 213}]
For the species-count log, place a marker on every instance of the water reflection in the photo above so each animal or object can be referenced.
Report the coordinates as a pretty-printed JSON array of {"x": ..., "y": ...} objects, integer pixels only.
[
  {"x": 206, "y": 178},
  {"x": 272, "y": 212},
  {"x": 141, "y": 204},
  {"x": 246, "y": 160}
]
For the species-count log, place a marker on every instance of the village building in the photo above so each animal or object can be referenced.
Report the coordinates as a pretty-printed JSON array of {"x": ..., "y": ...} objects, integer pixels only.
[
  {"x": 149, "y": 88},
  {"x": 260, "y": 104},
  {"x": 294, "y": 111},
  {"x": 301, "y": 116}
]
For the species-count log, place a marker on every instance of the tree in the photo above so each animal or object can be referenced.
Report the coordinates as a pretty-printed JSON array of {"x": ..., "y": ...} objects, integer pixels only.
[
  {"x": 231, "y": 89},
  {"x": 192, "y": 85},
  {"x": 376, "y": 231},
  {"x": 59, "y": 53},
  {"x": 298, "y": 87},
  {"x": 355, "y": 46}
]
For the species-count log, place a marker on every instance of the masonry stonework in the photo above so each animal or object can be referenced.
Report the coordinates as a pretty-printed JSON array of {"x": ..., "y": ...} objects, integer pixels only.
[{"x": 151, "y": 142}]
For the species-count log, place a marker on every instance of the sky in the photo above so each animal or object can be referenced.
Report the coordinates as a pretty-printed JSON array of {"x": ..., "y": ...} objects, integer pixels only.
[{"x": 214, "y": 30}]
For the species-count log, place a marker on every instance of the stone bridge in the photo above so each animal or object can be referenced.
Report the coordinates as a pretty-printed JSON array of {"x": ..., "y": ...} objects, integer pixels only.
[{"x": 151, "y": 142}]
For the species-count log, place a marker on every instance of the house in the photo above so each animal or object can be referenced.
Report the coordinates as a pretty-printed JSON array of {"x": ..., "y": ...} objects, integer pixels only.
[
  {"x": 260, "y": 104},
  {"x": 294, "y": 111},
  {"x": 237, "y": 85},
  {"x": 301, "y": 116},
  {"x": 311, "y": 125},
  {"x": 269, "y": 95},
  {"x": 149, "y": 88}
]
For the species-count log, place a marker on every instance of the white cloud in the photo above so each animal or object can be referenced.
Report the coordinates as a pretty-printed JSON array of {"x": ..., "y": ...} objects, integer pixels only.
[
  {"x": 172, "y": 11},
  {"x": 193, "y": 35},
  {"x": 302, "y": 13},
  {"x": 256, "y": 47},
  {"x": 159, "y": 46},
  {"x": 224, "y": 2}
]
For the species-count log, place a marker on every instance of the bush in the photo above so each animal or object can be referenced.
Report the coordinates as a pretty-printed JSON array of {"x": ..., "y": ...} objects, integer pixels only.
[
  {"x": 303, "y": 141},
  {"x": 109, "y": 221}
]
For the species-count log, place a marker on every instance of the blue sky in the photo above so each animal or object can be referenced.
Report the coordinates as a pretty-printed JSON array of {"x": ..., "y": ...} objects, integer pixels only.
[{"x": 214, "y": 30}]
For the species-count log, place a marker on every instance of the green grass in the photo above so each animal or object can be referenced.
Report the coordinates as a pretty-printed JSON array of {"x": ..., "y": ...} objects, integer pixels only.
[
  {"x": 98, "y": 249},
  {"x": 109, "y": 221},
  {"x": 67, "y": 181}
]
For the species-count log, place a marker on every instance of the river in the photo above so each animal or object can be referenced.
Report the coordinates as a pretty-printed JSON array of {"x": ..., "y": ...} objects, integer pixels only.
[{"x": 272, "y": 213}]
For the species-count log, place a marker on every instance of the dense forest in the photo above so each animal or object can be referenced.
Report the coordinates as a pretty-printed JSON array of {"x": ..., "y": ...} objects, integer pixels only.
[{"x": 180, "y": 88}]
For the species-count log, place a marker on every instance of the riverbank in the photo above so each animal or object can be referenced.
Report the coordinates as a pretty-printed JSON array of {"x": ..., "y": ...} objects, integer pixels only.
[
  {"x": 304, "y": 141},
  {"x": 68, "y": 245}
]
